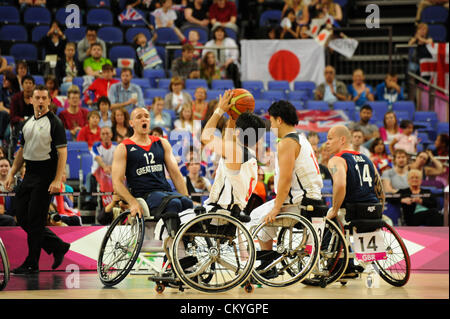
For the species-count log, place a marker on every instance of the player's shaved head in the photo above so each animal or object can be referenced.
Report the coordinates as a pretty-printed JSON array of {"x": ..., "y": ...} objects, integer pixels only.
[
  {"x": 133, "y": 113},
  {"x": 339, "y": 138},
  {"x": 341, "y": 131}
]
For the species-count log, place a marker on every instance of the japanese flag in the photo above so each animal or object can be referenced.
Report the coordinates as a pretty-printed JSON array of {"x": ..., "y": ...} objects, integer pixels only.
[{"x": 288, "y": 60}]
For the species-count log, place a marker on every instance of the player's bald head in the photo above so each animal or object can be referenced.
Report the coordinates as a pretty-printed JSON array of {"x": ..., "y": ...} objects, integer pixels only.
[
  {"x": 339, "y": 131},
  {"x": 135, "y": 111}
]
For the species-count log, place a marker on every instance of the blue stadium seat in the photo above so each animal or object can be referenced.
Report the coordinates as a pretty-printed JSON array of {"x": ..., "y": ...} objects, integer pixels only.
[
  {"x": 99, "y": 17},
  {"x": 230, "y": 33},
  {"x": 37, "y": 16},
  {"x": 39, "y": 32},
  {"x": 437, "y": 32},
  {"x": 9, "y": 15},
  {"x": 195, "y": 83},
  {"x": 164, "y": 83},
  {"x": 261, "y": 106},
  {"x": 75, "y": 34},
  {"x": 24, "y": 51},
  {"x": 254, "y": 87},
  {"x": 78, "y": 81},
  {"x": 143, "y": 83},
  {"x": 77, "y": 146},
  {"x": 166, "y": 36},
  {"x": 322, "y": 137},
  {"x": 278, "y": 85},
  {"x": 344, "y": 105},
  {"x": 427, "y": 116},
  {"x": 423, "y": 138},
  {"x": 203, "y": 34},
  {"x": 61, "y": 15},
  {"x": 161, "y": 53},
  {"x": 442, "y": 128},
  {"x": 13, "y": 33},
  {"x": 434, "y": 14},
  {"x": 111, "y": 35},
  {"x": 299, "y": 105},
  {"x": 153, "y": 75},
  {"x": 121, "y": 51},
  {"x": 213, "y": 94},
  {"x": 401, "y": 115},
  {"x": 152, "y": 93},
  {"x": 222, "y": 84},
  {"x": 297, "y": 95},
  {"x": 379, "y": 108},
  {"x": 98, "y": 4},
  {"x": 305, "y": 85},
  {"x": 407, "y": 106},
  {"x": 270, "y": 17},
  {"x": 273, "y": 95},
  {"x": 317, "y": 105},
  {"x": 131, "y": 33},
  {"x": 74, "y": 163},
  {"x": 39, "y": 79},
  {"x": 191, "y": 92}
]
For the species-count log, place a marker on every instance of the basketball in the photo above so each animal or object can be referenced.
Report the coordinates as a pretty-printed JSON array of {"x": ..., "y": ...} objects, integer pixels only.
[{"x": 243, "y": 102}]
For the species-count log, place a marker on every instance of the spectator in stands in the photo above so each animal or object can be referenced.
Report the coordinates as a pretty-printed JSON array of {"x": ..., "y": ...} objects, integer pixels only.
[
  {"x": 6, "y": 219},
  {"x": 228, "y": 58},
  {"x": 419, "y": 211},
  {"x": 199, "y": 105},
  {"x": 185, "y": 66},
  {"x": 196, "y": 15},
  {"x": 290, "y": 28},
  {"x": 84, "y": 47},
  {"x": 405, "y": 139},
  {"x": 9, "y": 88},
  {"x": 420, "y": 39},
  {"x": 158, "y": 116},
  {"x": 143, "y": 5},
  {"x": 323, "y": 162},
  {"x": 185, "y": 121},
  {"x": 360, "y": 92},
  {"x": 109, "y": 212},
  {"x": 177, "y": 96},
  {"x": 331, "y": 90},
  {"x": 21, "y": 71},
  {"x": 104, "y": 108},
  {"x": 68, "y": 67},
  {"x": 300, "y": 9},
  {"x": 396, "y": 178},
  {"x": 157, "y": 131},
  {"x": 389, "y": 91},
  {"x": 146, "y": 52},
  {"x": 370, "y": 131},
  {"x": 442, "y": 146},
  {"x": 390, "y": 127},
  {"x": 54, "y": 42},
  {"x": 193, "y": 39},
  {"x": 209, "y": 70},
  {"x": 427, "y": 164},
  {"x": 378, "y": 155},
  {"x": 52, "y": 85},
  {"x": 270, "y": 188},
  {"x": 20, "y": 109},
  {"x": 426, "y": 3},
  {"x": 223, "y": 13},
  {"x": 313, "y": 138},
  {"x": 165, "y": 16},
  {"x": 4, "y": 64},
  {"x": 63, "y": 205},
  {"x": 93, "y": 64},
  {"x": 126, "y": 94},
  {"x": 90, "y": 133},
  {"x": 357, "y": 142},
  {"x": 75, "y": 116},
  {"x": 121, "y": 128},
  {"x": 196, "y": 183},
  {"x": 324, "y": 7},
  {"x": 101, "y": 86}
]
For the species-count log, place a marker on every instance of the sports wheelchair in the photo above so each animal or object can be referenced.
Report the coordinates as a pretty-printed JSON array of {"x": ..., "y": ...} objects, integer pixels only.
[
  {"x": 212, "y": 252},
  {"x": 373, "y": 242},
  {"x": 4, "y": 266},
  {"x": 296, "y": 247}
]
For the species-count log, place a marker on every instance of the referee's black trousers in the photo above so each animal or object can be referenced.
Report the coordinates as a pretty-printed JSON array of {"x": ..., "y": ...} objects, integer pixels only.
[{"x": 32, "y": 202}]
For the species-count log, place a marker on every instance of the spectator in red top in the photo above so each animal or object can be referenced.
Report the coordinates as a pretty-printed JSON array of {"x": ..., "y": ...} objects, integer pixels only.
[
  {"x": 100, "y": 86},
  {"x": 223, "y": 13},
  {"x": 75, "y": 116},
  {"x": 90, "y": 133}
]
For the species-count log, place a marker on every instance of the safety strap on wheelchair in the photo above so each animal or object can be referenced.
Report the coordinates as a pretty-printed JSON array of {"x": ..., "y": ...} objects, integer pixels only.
[
  {"x": 312, "y": 208},
  {"x": 357, "y": 211},
  {"x": 366, "y": 225},
  {"x": 235, "y": 212},
  {"x": 160, "y": 209}
]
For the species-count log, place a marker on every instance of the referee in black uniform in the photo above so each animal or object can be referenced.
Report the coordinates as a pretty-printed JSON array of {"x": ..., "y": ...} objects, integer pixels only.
[{"x": 43, "y": 148}]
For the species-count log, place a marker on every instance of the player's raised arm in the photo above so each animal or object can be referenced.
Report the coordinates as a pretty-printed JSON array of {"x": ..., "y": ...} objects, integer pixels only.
[{"x": 338, "y": 171}]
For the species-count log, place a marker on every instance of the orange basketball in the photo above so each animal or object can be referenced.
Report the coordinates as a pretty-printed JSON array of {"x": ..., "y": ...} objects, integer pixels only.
[{"x": 243, "y": 102}]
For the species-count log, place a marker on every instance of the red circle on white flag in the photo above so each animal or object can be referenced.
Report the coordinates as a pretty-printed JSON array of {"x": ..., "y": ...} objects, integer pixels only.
[{"x": 284, "y": 66}]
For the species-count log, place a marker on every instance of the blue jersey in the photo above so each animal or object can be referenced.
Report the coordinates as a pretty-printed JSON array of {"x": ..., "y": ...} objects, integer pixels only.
[
  {"x": 145, "y": 171},
  {"x": 360, "y": 178}
]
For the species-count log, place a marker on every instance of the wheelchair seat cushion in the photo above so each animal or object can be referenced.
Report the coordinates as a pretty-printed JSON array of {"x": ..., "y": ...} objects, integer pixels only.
[
  {"x": 356, "y": 211},
  {"x": 366, "y": 225}
]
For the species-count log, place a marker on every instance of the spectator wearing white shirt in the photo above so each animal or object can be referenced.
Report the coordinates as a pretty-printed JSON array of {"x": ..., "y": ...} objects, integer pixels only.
[
  {"x": 126, "y": 94},
  {"x": 357, "y": 141},
  {"x": 165, "y": 16}
]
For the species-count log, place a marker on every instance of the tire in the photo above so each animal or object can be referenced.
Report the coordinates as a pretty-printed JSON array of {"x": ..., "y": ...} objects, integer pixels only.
[
  {"x": 216, "y": 243},
  {"x": 395, "y": 270},
  {"x": 333, "y": 258},
  {"x": 118, "y": 253},
  {"x": 4, "y": 266},
  {"x": 292, "y": 261}
]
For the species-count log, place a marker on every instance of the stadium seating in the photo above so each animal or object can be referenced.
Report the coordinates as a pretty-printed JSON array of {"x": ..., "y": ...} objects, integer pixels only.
[
  {"x": 75, "y": 34},
  {"x": 254, "y": 87},
  {"x": 9, "y": 15},
  {"x": 37, "y": 16},
  {"x": 437, "y": 32},
  {"x": 222, "y": 84},
  {"x": 213, "y": 94},
  {"x": 434, "y": 14},
  {"x": 39, "y": 79},
  {"x": 305, "y": 85},
  {"x": 442, "y": 128},
  {"x": 143, "y": 83},
  {"x": 130, "y": 33},
  {"x": 270, "y": 17},
  {"x": 39, "y": 32},
  {"x": 194, "y": 83},
  {"x": 426, "y": 116},
  {"x": 317, "y": 105},
  {"x": 99, "y": 17},
  {"x": 261, "y": 106},
  {"x": 273, "y": 95},
  {"x": 111, "y": 35},
  {"x": 164, "y": 83},
  {"x": 24, "y": 51},
  {"x": 121, "y": 51},
  {"x": 407, "y": 106},
  {"x": 166, "y": 36},
  {"x": 98, "y": 4},
  {"x": 379, "y": 109},
  {"x": 299, "y": 105},
  {"x": 297, "y": 95},
  {"x": 278, "y": 85},
  {"x": 230, "y": 33},
  {"x": 344, "y": 105},
  {"x": 13, "y": 33},
  {"x": 140, "y": 22},
  {"x": 153, "y": 75}
]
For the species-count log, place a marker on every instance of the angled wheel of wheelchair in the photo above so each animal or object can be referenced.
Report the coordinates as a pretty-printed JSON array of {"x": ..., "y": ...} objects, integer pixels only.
[
  {"x": 213, "y": 253},
  {"x": 4, "y": 266},
  {"x": 120, "y": 248},
  {"x": 333, "y": 257},
  {"x": 395, "y": 269},
  {"x": 295, "y": 254}
]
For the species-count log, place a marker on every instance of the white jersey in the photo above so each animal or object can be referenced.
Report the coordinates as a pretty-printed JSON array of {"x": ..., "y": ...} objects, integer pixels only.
[
  {"x": 234, "y": 186},
  {"x": 306, "y": 178}
]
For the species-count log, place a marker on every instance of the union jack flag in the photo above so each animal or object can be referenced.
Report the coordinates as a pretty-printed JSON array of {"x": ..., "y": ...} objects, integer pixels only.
[{"x": 131, "y": 15}]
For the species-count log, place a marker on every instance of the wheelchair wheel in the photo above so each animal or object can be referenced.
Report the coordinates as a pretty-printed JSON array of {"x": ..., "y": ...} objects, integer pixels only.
[
  {"x": 4, "y": 266},
  {"x": 295, "y": 255},
  {"x": 395, "y": 269},
  {"x": 333, "y": 258},
  {"x": 213, "y": 253},
  {"x": 120, "y": 248}
]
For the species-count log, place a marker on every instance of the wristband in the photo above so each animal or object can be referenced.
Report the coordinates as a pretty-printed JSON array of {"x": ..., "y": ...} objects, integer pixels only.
[{"x": 219, "y": 111}]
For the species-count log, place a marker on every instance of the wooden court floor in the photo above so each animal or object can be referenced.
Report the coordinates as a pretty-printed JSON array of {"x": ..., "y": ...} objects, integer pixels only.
[{"x": 61, "y": 285}]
